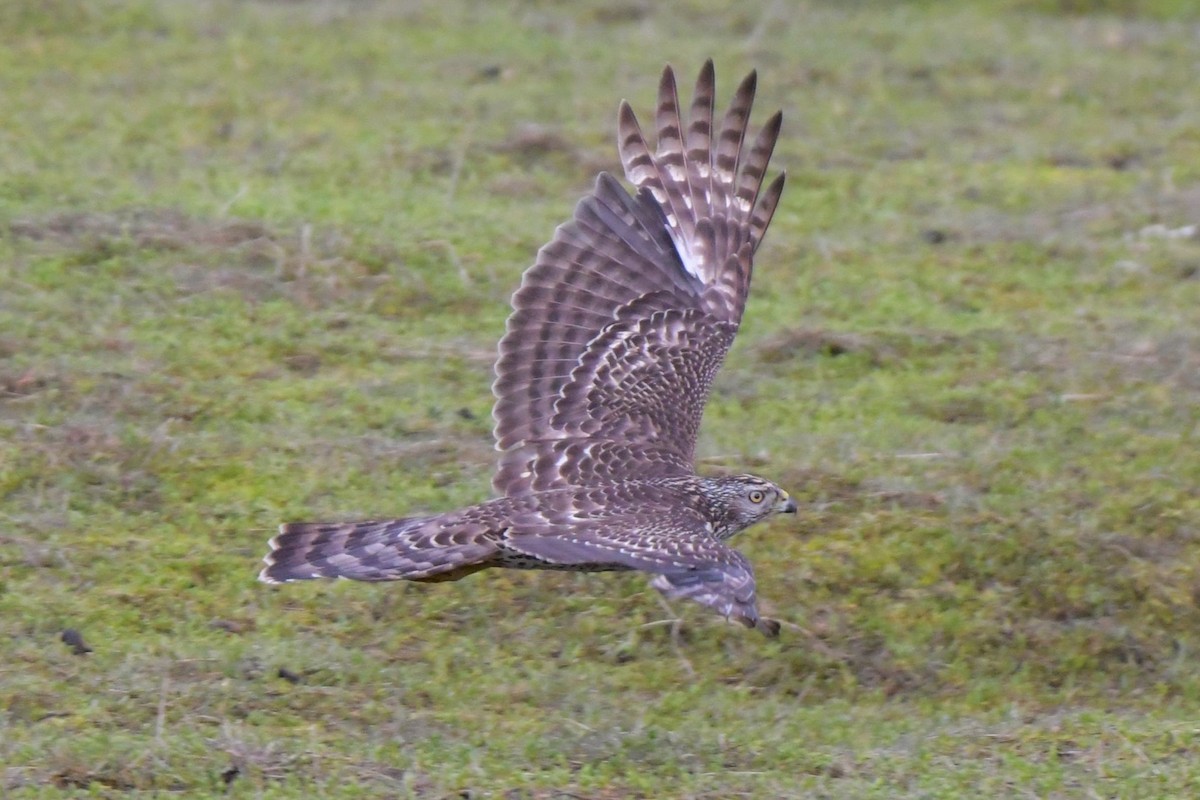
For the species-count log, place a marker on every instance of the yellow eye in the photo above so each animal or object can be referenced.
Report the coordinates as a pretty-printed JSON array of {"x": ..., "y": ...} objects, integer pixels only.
[{"x": 757, "y": 497}]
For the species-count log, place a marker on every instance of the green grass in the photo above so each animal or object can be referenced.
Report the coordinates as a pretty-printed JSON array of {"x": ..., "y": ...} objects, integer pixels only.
[{"x": 254, "y": 259}]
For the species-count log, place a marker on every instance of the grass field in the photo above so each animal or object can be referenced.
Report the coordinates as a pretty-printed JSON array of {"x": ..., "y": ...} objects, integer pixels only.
[{"x": 254, "y": 260}]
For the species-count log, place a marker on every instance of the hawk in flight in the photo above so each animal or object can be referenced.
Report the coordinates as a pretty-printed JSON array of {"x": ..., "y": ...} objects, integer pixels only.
[{"x": 616, "y": 333}]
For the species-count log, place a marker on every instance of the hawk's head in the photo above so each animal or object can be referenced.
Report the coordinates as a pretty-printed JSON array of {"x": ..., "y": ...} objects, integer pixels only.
[{"x": 742, "y": 500}]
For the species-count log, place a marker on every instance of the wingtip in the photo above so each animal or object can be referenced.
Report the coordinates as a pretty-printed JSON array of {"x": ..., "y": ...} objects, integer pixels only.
[
  {"x": 749, "y": 84},
  {"x": 606, "y": 181},
  {"x": 629, "y": 130},
  {"x": 774, "y": 123},
  {"x": 707, "y": 79}
]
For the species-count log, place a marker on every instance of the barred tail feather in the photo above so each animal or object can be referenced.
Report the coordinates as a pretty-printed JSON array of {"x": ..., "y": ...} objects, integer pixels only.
[
  {"x": 308, "y": 550},
  {"x": 386, "y": 550}
]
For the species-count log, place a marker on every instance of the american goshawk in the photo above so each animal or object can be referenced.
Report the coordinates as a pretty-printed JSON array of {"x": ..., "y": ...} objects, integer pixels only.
[{"x": 616, "y": 333}]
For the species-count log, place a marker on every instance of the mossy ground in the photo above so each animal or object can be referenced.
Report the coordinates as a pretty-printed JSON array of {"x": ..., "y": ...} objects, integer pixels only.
[{"x": 254, "y": 259}]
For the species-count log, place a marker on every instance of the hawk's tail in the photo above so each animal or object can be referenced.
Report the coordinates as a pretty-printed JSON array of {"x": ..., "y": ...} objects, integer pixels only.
[
  {"x": 416, "y": 549},
  {"x": 307, "y": 550}
]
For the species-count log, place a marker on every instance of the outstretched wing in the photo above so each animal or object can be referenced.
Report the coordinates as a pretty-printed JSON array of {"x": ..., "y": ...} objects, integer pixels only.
[
  {"x": 620, "y": 325},
  {"x": 688, "y": 562}
]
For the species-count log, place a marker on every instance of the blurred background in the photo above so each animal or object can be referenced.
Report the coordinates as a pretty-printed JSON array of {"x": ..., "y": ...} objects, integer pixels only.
[{"x": 254, "y": 261}]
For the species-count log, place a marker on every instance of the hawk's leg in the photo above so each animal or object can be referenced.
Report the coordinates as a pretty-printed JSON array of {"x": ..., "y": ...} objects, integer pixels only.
[
  {"x": 676, "y": 622},
  {"x": 726, "y": 588}
]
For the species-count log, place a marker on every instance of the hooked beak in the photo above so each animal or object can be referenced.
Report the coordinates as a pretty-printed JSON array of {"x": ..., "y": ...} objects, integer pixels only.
[{"x": 789, "y": 506}]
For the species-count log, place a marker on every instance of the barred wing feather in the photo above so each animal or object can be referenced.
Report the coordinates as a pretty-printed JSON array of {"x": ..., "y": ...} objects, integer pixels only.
[{"x": 624, "y": 319}]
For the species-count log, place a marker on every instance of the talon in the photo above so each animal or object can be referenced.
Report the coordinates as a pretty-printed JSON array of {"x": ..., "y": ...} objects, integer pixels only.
[
  {"x": 769, "y": 627},
  {"x": 743, "y": 619}
]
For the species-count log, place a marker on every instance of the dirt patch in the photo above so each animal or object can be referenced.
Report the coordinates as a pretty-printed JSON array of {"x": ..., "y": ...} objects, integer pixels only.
[
  {"x": 156, "y": 229},
  {"x": 880, "y": 348}
]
